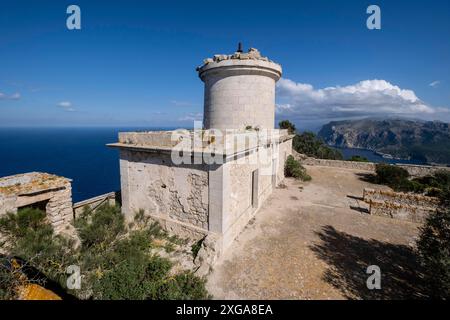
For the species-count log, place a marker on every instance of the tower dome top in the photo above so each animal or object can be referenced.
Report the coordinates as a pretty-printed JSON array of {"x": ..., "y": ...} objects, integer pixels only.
[{"x": 251, "y": 58}]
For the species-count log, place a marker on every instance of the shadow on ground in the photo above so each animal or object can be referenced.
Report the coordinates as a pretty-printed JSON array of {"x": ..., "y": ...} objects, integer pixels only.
[
  {"x": 368, "y": 177},
  {"x": 348, "y": 258}
]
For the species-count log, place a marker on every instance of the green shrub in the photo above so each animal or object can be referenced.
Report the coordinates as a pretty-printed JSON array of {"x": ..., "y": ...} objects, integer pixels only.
[
  {"x": 358, "y": 159},
  {"x": 286, "y": 124},
  {"x": 33, "y": 240},
  {"x": 434, "y": 249},
  {"x": 390, "y": 174},
  {"x": 307, "y": 143},
  {"x": 398, "y": 179},
  {"x": 116, "y": 263},
  {"x": 103, "y": 226},
  {"x": 294, "y": 169},
  {"x": 7, "y": 280}
]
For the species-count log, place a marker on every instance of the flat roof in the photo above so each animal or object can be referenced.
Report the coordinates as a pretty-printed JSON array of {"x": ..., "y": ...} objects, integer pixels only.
[{"x": 31, "y": 182}]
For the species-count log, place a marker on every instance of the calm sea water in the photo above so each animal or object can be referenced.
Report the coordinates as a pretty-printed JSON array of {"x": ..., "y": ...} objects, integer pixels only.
[
  {"x": 76, "y": 153},
  {"x": 373, "y": 157}
]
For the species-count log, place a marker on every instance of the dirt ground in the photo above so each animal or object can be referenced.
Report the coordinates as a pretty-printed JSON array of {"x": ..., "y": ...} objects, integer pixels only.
[{"x": 315, "y": 240}]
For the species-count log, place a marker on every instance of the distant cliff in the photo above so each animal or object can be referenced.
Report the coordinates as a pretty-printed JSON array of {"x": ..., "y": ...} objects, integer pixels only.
[{"x": 426, "y": 141}]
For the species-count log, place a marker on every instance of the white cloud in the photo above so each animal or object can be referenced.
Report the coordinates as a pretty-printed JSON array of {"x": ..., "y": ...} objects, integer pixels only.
[
  {"x": 191, "y": 117},
  {"x": 15, "y": 96},
  {"x": 66, "y": 105},
  {"x": 182, "y": 103},
  {"x": 365, "y": 98},
  {"x": 434, "y": 83}
]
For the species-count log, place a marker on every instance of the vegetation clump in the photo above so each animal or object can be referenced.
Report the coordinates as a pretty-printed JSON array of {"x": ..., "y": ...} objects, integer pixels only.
[
  {"x": 358, "y": 158},
  {"x": 294, "y": 169},
  {"x": 287, "y": 125},
  {"x": 309, "y": 144},
  {"x": 434, "y": 249},
  {"x": 398, "y": 179},
  {"x": 116, "y": 262}
]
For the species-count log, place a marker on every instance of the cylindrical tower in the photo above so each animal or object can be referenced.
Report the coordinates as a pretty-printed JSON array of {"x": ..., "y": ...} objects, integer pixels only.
[{"x": 239, "y": 91}]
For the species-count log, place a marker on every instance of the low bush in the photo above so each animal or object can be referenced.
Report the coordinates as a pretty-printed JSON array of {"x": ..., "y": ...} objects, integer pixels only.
[
  {"x": 398, "y": 179},
  {"x": 434, "y": 249},
  {"x": 390, "y": 175},
  {"x": 115, "y": 262},
  {"x": 287, "y": 125},
  {"x": 358, "y": 159},
  {"x": 33, "y": 241},
  {"x": 309, "y": 144},
  {"x": 294, "y": 169}
]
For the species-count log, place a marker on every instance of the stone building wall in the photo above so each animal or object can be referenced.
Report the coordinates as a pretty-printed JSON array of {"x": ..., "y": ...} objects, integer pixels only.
[
  {"x": 239, "y": 90},
  {"x": 239, "y": 101},
  {"x": 173, "y": 194}
]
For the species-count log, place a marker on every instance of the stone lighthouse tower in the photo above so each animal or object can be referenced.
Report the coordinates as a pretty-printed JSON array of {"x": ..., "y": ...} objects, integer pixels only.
[
  {"x": 223, "y": 177},
  {"x": 239, "y": 90}
]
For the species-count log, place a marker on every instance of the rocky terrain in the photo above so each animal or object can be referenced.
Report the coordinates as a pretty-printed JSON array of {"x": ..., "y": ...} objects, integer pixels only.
[{"x": 421, "y": 140}]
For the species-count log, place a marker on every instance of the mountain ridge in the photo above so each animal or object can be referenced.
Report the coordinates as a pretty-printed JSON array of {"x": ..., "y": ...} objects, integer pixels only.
[{"x": 427, "y": 141}]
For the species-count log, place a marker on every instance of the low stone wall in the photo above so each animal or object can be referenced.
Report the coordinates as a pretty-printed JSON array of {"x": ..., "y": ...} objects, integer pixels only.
[
  {"x": 421, "y": 170},
  {"x": 94, "y": 203},
  {"x": 413, "y": 170},
  {"x": 398, "y": 205},
  {"x": 366, "y": 166}
]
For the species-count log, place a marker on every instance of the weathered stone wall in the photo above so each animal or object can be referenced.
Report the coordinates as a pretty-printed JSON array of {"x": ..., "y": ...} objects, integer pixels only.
[
  {"x": 398, "y": 205},
  {"x": 240, "y": 205},
  {"x": 413, "y": 170},
  {"x": 421, "y": 170},
  {"x": 29, "y": 189},
  {"x": 152, "y": 183},
  {"x": 366, "y": 166},
  {"x": 59, "y": 209}
]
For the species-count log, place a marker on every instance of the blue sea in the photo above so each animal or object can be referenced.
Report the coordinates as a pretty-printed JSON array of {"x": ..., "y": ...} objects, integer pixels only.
[
  {"x": 373, "y": 157},
  {"x": 81, "y": 155},
  {"x": 76, "y": 153}
]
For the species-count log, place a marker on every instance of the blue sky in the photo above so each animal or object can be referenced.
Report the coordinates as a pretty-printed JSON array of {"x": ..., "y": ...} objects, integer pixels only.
[{"x": 133, "y": 62}]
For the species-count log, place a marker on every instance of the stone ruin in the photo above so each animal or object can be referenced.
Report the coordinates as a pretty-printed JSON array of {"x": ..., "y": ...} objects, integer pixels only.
[{"x": 50, "y": 193}]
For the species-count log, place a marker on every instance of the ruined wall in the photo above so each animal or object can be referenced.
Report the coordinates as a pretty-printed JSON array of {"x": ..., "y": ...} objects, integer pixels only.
[
  {"x": 151, "y": 182},
  {"x": 413, "y": 170},
  {"x": 366, "y": 166},
  {"x": 33, "y": 188},
  {"x": 421, "y": 170},
  {"x": 398, "y": 205},
  {"x": 59, "y": 209}
]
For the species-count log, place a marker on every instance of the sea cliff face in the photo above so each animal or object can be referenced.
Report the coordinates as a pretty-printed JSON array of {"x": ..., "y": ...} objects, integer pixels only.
[{"x": 426, "y": 141}]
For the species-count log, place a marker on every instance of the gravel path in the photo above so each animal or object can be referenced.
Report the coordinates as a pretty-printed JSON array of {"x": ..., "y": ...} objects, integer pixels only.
[{"x": 314, "y": 241}]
